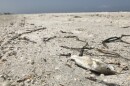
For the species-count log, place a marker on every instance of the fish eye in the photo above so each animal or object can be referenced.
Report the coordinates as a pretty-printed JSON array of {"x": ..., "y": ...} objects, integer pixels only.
[{"x": 108, "y": 68}]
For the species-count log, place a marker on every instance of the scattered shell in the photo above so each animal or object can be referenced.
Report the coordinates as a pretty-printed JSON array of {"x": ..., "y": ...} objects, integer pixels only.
[{"x": 93, "y": 64}]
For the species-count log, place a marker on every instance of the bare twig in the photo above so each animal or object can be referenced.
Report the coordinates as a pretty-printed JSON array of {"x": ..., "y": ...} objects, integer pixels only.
[
  {"x": 75, "y": 38},
  {"x": 82, "y": 49},
  {"x": 125, "y": 27},
  {"x": 27, "y": 40},
  {"x": 78, "y": 49},
  {"x": 27, "y": 32},
  {"x": 30, "y": 31},
  {"x": 66, "y": 47},
  {"x": 101, "y": 81},
  {"x": 48, "y": 39},
  {"x": 25, "y": 78},
  {"x": 108, "y": 52},
  {"x": 114, "y": 39},
  {"x": 111, "y": 54},
  {"x": 105, "y": 52},
  {"x": 65, "y": 32},
  {"x": 68, "y": 54},
  {"x": 111, "y": 39},
  {"x": 18, "y": 35}
]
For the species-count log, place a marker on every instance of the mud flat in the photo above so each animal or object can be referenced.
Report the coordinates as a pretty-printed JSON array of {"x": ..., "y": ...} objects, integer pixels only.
[{"x": 35, "y": 48}]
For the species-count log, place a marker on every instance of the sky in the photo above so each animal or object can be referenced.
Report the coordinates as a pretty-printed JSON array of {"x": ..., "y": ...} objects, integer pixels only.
[{"x": 54, "y": 6}]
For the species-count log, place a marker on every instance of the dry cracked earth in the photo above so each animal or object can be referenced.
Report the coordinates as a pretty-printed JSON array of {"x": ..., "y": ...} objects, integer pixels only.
[{"x": 35, "y": 48}]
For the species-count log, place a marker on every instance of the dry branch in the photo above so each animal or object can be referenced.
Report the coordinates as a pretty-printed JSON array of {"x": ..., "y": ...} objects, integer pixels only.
[
  {"x": 18, "y": 35},
  {"x": 105, "y": 52},
  {"x": 125, "y": 27},
  {"x": 108, "y": 52},
  {"x": 114, "y": 39},
  {"x": 67, "y": 54},
  {"x": 48, "y": 39},
  {"x": 27, "y": 40},
  {"x": 101, "y": 81},
  {"x": 75, "y": 38},
  {"x": 82, "y": 49},
  {"x": 65, "y": 32}
]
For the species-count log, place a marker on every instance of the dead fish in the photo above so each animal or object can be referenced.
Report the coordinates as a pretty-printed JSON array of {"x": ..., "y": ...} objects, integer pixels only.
[{"x": 94, "y": 65}]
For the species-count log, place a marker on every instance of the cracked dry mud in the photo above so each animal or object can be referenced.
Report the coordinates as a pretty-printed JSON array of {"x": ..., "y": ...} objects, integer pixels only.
[{"x": 34, "y": 49}]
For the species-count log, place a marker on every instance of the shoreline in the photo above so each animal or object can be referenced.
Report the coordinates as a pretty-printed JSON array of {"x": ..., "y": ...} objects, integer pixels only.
[{"x": 62, "y": 13}]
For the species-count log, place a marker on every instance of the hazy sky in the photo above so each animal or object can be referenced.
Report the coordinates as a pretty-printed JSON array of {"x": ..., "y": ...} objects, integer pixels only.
[{"x": 41, "y": 6}]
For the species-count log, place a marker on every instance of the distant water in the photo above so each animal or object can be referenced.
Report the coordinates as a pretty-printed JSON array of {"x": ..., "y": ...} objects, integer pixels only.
[{"x": 65, "y": 6}]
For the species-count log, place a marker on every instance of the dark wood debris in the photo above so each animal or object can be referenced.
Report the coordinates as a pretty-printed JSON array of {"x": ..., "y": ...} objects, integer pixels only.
[
  {"x": 101, "y": 81},
  {"x": 114, "y": 39}
]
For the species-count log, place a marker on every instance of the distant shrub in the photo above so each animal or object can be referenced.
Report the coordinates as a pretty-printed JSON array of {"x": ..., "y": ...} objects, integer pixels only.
[
  {"x": 77, "y": 17},
  {"x": 7, "y": 13}
]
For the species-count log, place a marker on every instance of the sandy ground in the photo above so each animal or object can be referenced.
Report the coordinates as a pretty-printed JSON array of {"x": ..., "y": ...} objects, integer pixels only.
[{"x": 34, "y": 48}]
